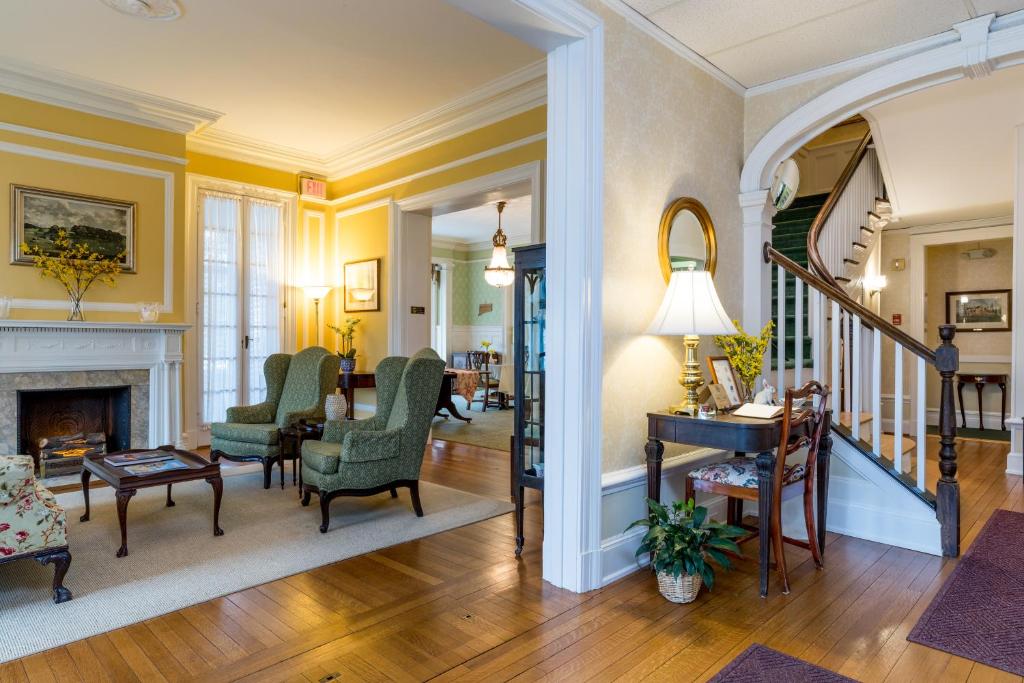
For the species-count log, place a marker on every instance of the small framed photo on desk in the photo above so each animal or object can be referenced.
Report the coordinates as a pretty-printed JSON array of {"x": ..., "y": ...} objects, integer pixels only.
[{"x": 722, "y": 374}]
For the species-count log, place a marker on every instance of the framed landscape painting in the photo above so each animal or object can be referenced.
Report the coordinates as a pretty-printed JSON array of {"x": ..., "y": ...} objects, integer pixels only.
[
  {"x": 979, "y": 311},
  {"x": 107, "y": 226}
]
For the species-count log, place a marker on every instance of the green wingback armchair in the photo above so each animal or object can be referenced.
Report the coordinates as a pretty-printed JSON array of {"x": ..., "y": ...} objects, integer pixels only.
[
  {"x": 382, "y": 453},
  {"x": 296, "y": 388}
]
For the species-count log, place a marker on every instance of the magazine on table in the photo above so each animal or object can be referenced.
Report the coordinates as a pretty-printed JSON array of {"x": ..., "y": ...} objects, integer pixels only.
[
  {"x": 155, "y": 467},
  {"x": 136, "y": 458}
]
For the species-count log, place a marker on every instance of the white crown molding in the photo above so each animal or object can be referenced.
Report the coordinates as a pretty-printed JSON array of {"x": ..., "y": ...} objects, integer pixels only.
[
  {"x": 512, "y": 94},
  {"x": 641, "y": 22},
  {"x": 64, "y": 89},
  {"x": 890, "y": 54},
  {"x": 95, "y": 144}
]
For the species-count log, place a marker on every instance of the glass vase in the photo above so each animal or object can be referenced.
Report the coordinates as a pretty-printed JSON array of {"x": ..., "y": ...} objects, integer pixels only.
[{"x": 76, "y": 310}]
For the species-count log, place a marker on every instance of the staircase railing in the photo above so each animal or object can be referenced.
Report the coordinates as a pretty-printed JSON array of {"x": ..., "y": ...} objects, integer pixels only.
[
  {"x": 827, "y": 236},
  {"x": 835, "y": 318}
]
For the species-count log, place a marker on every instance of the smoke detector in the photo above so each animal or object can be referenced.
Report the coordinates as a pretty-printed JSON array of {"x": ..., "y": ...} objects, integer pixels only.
[{"x": 161, "y": 10}]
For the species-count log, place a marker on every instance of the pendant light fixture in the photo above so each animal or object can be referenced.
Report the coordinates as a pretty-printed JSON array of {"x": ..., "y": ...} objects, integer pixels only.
[{"x": 498, "y": 272}]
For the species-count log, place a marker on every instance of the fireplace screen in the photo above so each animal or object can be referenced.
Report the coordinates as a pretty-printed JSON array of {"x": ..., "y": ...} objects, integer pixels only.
[{"x": 60, "y": 427}]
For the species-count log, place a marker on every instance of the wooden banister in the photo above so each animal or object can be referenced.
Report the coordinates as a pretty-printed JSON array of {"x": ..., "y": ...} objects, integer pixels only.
[
  {"x": 813, "y": 255},
  {"x": 834, "y": 292}
]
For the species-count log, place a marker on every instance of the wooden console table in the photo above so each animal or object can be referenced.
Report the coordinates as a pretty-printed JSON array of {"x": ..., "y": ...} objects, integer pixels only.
[
  {"x": 979, "y": 381},
  {"x": 741, "y": 435}
]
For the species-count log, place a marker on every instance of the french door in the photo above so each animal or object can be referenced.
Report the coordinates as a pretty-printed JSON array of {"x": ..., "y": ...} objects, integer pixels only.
[{"x": 241, "y": 298}]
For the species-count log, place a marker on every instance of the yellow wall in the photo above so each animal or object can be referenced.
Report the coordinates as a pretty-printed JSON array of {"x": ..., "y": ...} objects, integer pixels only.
[
  {"x": 241, "y": 172},
  {"x": 21, "y": 164}
]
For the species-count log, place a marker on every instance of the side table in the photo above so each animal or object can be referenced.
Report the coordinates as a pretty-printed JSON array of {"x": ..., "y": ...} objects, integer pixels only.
[
  {"x": 291, "y": 445},
  {"x": 979, "y": 381}
]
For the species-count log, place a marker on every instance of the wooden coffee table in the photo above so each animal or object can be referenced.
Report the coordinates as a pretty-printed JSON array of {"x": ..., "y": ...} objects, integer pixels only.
[{"x": 127, "y": 485}]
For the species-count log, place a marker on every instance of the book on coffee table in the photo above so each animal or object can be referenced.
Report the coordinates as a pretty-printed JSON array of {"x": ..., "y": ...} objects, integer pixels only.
[
  {"x": 136, "y": 458},
  {"x": 155, "y": 467}
]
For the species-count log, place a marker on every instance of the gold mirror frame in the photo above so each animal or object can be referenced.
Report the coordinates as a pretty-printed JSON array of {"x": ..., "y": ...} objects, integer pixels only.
[{"x": 665, "y": 230}]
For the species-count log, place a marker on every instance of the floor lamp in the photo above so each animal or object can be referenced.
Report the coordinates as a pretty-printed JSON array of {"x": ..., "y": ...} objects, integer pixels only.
[{"x": 317, "y": 292}]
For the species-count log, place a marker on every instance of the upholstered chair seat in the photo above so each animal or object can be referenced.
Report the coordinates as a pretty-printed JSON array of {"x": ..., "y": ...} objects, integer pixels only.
[
  {"x": 296, "y": 389},
  {"x": 743, "y": 472},
  {"x": 32, "y": 523},
  {"x": 384, "y": 452}
]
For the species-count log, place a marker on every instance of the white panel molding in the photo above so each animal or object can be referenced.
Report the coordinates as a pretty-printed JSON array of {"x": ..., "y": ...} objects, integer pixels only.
[
  {"x": 500, "y": 149},
  {"x": 167, "y": 305},
  {"x": 64, "y": 89},
  {"x": 502, "y": 98},
  {"x": 363, "y": 208},
  {"x": 94, "y": 144},
  {"x": 644, "y": 24}
]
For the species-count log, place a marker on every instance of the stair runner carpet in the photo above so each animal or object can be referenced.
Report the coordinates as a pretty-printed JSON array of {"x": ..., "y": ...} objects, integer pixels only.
[
  {"x": 761, "y": 663},
  {"x": 979, "y": 611},
  {"x": 789, "y": 237}
]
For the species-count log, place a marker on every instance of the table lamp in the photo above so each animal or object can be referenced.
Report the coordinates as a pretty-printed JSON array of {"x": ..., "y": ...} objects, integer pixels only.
[{"x": 690, "y": 308}]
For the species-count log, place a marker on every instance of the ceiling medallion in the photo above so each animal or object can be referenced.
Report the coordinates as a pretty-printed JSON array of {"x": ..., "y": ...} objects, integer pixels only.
[{"x": 162, "y": 10}]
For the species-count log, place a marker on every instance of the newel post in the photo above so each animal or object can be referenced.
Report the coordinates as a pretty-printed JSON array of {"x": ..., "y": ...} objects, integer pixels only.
[{"x": 947, "y": 362}]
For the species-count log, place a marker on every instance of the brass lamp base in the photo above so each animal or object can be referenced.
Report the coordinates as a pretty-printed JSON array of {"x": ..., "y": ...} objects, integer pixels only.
[{"x": 690, "y": 378}]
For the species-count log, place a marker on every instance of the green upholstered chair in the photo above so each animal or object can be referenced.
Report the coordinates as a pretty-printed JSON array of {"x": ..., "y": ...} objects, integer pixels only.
[
  {"x": 384, "y": 452},
  {"x": 296, "y": 388}
]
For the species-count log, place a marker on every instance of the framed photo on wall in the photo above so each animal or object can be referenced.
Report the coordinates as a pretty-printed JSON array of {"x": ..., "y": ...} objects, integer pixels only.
[
  {"x": 722, "y": 374},
  {"x": 981, "y": 310},
  {"x": 107, "y": 226},
  {"x": 362, "y": 285}
]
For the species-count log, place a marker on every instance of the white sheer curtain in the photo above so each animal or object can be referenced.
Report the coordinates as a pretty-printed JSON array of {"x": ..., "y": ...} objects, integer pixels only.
[
  {"x": 221, "y": 220},
  {"x": 264, "y": 291}
]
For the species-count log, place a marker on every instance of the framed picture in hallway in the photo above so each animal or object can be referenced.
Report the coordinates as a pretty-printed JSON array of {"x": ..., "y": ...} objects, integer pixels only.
[
  {"x": 983, "y": 310},
  {"x": 362, "y": 285}
]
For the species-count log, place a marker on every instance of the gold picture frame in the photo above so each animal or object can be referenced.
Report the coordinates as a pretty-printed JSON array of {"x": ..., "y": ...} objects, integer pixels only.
[
  {"x": 362, "y": 286},
  {"x": 723, "y": 374}
]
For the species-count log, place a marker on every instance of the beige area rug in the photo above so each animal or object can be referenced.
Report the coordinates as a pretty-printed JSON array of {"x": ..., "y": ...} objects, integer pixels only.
[
  {"x": 490, "y": 429},
  {"x": 175, "y": 561}
]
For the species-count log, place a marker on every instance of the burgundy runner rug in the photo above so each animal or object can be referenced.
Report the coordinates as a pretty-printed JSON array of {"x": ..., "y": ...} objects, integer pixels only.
[
  {"x": 979, "y": 611},
  {"x": 763, "y": 664}
]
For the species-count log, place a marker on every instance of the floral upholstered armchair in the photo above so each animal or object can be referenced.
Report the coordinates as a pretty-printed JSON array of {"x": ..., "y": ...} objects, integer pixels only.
[
  {"x": 32, "y": 524},
  {"x": 296, "y": 389},
  {"x": 384, "y": 452}
]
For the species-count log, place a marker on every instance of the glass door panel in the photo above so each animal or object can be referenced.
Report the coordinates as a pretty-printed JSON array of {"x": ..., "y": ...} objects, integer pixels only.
[
  {"x": 263, "y": 285},
  {"x": 221, "y": 324}
]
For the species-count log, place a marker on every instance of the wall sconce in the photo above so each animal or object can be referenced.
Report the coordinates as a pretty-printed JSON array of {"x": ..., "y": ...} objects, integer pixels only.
[{"x": 873, "y": 284}]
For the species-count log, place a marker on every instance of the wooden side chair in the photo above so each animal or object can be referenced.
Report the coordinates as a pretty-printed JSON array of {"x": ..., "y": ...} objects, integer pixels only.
[
  {"x": 737, "y": 478},
  {"x": 481, "y": 361}
]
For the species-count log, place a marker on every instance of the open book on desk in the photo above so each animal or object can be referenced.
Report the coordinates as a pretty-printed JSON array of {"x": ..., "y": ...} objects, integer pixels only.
[{"x": 759, "y": 410}]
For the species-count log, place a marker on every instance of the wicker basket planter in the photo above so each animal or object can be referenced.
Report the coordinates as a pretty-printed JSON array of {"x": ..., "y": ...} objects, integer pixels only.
[{"x": 682, "y": 589}]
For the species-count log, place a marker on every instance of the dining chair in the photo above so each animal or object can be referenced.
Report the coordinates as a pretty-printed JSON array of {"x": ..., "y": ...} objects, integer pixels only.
[{"x": 737, "y": 478}]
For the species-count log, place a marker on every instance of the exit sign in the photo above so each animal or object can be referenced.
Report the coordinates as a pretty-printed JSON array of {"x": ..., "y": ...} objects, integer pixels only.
[
  {"x": 313, "y": 186},
  {"x": 897, "y": 318}
]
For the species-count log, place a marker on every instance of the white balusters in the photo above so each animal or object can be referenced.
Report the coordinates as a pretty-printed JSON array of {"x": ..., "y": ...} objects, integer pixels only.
[
  {"x": 855, "y": 377},
  {"x": 836, "y": 389},
  {"x": 780, "y": 375},
  {"x": 817, "y": 333},
  {"x": 897, "y": 406},
  {"x": 876, "y": 392},
  {"x": 921, "y": 427},
  {"x": 798, "y": 332}
]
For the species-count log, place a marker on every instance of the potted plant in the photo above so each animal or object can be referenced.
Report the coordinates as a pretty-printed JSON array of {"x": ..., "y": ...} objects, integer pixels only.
[
  {"x": 486, "y": 346},
  {"x": 746, "y": 354},
  {"x": 682, "y": 542},
  {"x": 347, "y": 351}
]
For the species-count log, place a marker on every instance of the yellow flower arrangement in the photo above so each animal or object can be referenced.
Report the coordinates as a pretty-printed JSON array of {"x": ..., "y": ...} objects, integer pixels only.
[
  {"x": 746, "y": 353},
  {"x": 76, "y": 267}
]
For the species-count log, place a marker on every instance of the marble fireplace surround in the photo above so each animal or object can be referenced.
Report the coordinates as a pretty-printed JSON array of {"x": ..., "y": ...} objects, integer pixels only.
[{"x": 65, "y": 355}]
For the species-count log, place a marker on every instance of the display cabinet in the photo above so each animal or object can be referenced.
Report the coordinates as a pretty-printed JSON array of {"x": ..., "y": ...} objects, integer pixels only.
[{"x": 529, "y": 342}]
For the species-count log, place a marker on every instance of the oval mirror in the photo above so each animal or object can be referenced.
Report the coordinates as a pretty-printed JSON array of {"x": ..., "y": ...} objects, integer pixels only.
[{"x": 686, "y": 238}]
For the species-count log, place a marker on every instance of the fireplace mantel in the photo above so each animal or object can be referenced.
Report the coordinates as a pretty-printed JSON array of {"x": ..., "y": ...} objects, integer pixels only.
[{"x": 49, "y": 346}]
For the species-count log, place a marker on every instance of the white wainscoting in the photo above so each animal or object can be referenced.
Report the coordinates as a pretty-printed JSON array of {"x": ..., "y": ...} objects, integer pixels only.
[{"x": 468, "y": 337}]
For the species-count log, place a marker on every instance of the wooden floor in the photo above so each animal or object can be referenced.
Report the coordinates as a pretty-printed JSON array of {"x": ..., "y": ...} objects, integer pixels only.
[{"x": 458, "y": 606}]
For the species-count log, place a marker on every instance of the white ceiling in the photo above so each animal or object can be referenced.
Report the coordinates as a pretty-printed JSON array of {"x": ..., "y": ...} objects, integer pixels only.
[
  {"x": 314, "y": 75},
  {"x": 477, "y": 225},
  {"x": 947, "y": 153},
  {"x": 758, "y": 41}
]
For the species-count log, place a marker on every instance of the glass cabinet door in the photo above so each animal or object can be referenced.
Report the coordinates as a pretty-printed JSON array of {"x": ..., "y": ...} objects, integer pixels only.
[{"x": 532, "y": 331}]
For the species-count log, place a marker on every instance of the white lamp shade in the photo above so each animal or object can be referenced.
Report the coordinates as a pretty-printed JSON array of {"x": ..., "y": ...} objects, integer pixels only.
[
  {"x": 317, "y": 291},
  {"x": 691, "y": 306}
]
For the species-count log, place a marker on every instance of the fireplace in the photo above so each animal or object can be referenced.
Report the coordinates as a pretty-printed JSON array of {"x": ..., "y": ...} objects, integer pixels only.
[{"x": 101, "y": 415}]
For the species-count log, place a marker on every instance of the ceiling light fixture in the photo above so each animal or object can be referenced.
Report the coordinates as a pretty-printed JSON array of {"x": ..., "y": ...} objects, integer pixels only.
[
  {"x": 161, "y": 10},
  {"x": 498, "y": 272}
]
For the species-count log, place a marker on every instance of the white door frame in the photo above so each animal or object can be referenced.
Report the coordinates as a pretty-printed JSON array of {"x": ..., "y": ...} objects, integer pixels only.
[{"x": 573, "y": 38}]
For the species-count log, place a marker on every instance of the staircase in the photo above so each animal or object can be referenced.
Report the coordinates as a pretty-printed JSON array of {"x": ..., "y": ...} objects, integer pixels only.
[
  {"x": 789, "y": 237},
  {"x": 888, "y": 484}
]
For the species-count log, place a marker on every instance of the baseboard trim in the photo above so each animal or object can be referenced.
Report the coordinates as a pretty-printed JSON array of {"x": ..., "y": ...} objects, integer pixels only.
[{"x": 1015, "y": 463}]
